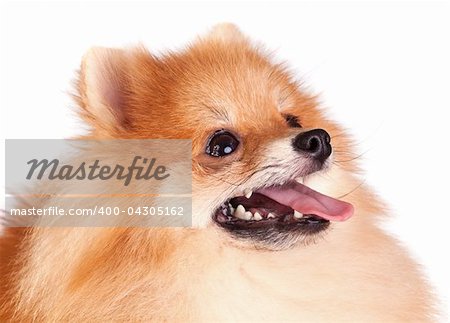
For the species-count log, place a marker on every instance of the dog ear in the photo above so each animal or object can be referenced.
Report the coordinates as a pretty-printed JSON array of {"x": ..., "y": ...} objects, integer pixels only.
[
  {"x": 226, "y": 32},
  {"x": 103, "y": 89}
]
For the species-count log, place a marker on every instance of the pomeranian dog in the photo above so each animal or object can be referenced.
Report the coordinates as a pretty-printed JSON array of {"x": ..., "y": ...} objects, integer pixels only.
[{"x": 283, "y": 229}]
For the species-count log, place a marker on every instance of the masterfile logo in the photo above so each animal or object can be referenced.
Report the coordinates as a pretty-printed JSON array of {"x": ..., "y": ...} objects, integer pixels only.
[
  {"x": 146, "y": 170},
  {"x": 98, "y": 182}
]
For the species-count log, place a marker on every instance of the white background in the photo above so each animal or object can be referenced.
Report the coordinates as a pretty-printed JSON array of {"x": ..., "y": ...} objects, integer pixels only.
[{"x": 381, "y": 67}]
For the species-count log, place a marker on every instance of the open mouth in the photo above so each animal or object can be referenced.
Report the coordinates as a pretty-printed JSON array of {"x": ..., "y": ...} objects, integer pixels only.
[{"x": 289, "y": 207}]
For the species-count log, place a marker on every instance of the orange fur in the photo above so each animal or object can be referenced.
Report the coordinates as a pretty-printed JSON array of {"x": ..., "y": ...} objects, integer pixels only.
[{"x": 355, "y": 273}]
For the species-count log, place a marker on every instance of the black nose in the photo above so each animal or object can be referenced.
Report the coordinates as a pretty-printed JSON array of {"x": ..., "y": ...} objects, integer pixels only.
[{"x": 316, "y": 143}]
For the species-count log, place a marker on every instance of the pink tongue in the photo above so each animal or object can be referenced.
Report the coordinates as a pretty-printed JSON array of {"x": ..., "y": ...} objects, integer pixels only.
[{"x": 307, "y": 201}]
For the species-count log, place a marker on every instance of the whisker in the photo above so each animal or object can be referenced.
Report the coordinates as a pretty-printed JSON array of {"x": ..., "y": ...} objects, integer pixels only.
[
  {"x": 353, "y": 190},
  {"x": 354, "y": 158},
  {"x": 222, "y": 180},
  {"x": 340, "y": 134},
  {"x": 236, "y": 184}
]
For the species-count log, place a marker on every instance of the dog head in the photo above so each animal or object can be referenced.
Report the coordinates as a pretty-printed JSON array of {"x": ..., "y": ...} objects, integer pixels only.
[{"x": 259, "y": 141}]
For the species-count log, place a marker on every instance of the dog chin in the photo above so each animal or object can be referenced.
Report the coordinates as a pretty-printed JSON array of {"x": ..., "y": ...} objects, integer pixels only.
[{"x": 273, "y": 240}]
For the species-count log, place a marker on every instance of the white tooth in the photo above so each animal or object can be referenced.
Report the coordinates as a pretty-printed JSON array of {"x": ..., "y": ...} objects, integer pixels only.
[
  {"x": 257, "y": 216},
  {"x": 248, "y": 193},
  {"x": 248, "y": 215},
  {"x": 240, "y": 212},
  {"x": 231, "y": 209},
  {"x": 297, "y": 214},
  {"x": 224, "y": 212},
  {"x": 301, "y": 180},
  {"x": 270, "y": 216}
]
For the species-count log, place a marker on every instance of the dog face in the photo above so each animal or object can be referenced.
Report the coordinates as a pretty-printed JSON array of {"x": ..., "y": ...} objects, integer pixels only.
[{"x": 256, "y": 136}]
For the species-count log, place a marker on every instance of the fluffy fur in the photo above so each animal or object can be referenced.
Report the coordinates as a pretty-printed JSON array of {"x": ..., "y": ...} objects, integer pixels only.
[{"x": 353, "y": 272}]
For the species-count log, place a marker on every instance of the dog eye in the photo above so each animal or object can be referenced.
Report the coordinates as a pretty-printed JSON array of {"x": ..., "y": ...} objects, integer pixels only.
[
  {"x": 292, "y": 121},
  {"x": 221, "y": 143}
]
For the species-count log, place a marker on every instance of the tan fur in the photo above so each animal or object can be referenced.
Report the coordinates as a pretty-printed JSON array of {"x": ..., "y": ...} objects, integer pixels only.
[{"x": 354, "y": 273}]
